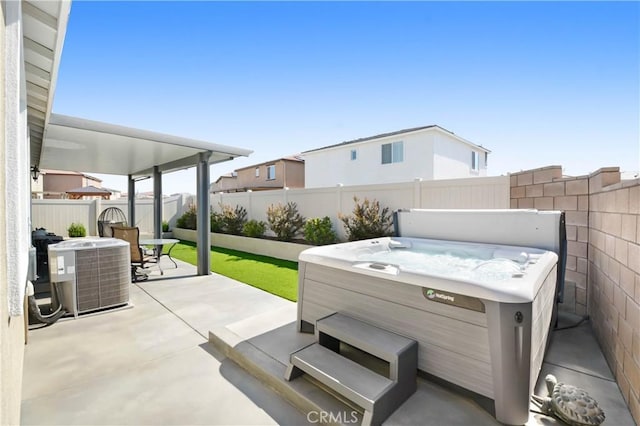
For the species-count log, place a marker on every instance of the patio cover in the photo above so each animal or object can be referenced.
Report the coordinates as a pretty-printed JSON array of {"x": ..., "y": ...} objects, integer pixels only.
[
  {"x": 72, "y": 143},
  {"x": 77, "y": 144}
]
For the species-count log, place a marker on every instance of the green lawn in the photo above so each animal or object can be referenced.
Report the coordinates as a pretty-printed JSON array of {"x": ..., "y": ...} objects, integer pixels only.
[{"x": 279, "y": 277}]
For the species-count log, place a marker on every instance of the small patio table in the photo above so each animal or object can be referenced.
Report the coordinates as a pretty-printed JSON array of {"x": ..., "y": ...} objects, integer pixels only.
[{"x": 158, "y": 243}]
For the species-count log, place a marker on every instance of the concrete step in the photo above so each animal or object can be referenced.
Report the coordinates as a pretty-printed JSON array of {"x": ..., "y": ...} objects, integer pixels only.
[
  {"x": 349, "y": 379},
  {"x": 268, "y": 366}
]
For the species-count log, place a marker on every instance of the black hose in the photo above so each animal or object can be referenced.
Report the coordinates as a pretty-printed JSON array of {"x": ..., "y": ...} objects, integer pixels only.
[
  {"x": 34, "y": 310},
  {"x": 583, "y": 319}
]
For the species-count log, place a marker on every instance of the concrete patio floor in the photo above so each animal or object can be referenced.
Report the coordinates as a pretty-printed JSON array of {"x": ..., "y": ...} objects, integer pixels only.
[
  {"x": 191, "y": 347},
  {"x": 152, "y": 364}
]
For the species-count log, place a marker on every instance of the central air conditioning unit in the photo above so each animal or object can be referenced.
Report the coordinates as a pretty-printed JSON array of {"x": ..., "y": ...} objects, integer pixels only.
[{"x": 89, "y": 274}]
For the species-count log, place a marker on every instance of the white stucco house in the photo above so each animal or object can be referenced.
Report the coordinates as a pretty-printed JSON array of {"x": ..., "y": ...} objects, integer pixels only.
[{"x": 428, "y": 152}]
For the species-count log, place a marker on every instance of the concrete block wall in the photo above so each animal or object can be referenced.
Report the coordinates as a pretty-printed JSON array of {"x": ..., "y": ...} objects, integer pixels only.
[
  {"x": 546, "y": 189},
  {"x": 614, "y": 277},
  {"x": 603, "y": 262}
]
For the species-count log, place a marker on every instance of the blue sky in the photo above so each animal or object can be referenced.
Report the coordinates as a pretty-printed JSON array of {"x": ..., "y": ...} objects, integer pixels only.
[{"x": 538, "y": 83}]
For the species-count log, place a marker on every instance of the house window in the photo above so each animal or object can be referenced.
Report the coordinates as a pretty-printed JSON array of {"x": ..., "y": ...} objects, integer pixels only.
[
  {"x": 486, "y": 159},
  {"x": 475, "y": 161},
  {"x": 354, "y": 155},
  {"x": 392, "y": 152},
  {"x": 257, "y": 171},
  {"x": 271, "y": 172}
]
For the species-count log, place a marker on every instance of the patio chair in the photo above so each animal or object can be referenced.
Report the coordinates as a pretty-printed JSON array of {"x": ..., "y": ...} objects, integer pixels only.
[{"x": 138, "y": 256}]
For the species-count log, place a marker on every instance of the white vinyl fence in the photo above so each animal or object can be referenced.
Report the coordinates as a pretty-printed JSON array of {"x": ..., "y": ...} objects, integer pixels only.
[
  {"x": 469, "y": 193},
  {"x": 56, "y": 215}
]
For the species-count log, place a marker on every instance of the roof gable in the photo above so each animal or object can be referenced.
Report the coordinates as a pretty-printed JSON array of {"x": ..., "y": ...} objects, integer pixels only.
[
  {"x": 397, "y": 133},
  {"x": 293, "y": 159}
]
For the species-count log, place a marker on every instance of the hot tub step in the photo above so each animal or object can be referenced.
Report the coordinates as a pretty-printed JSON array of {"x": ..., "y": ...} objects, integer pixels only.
[
  {"x": 381, "y": 343},
  {"x": 365, "y": 388},
  {"x": 378, "y": 395}
]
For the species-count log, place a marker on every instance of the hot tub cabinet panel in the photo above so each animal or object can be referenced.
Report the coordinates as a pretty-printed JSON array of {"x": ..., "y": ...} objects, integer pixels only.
[
  {"x": 542, "y": 312},
  {"x": 517, "y": 340},
  {"x": 491, "y": 347},
  {"x": 456, "y": 350},
  {"x": 378, "y": 287}
]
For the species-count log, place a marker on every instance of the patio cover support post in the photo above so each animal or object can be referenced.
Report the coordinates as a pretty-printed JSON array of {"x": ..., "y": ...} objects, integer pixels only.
[
  {"x": 131, "y": 200},
  {"x": 202, "y": 218},
  {"x": 157, "y": 202}
]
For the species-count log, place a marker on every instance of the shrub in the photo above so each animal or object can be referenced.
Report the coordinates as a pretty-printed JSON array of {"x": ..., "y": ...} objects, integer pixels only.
[
  {"x": 77, "y": 230},
  {"x": 229, "y": 221},
  {"x": 165, "y": 226},
  {"x": 254, "y": 228},
  {"x": 319, "y": 231},
  {"x": 367, "y": 220},
  {"x": 285, "y": 221},
  {"x": 189, "y": 219},
  {"x": 233, "y": 220},
  {"x": 215, "y": 222}
]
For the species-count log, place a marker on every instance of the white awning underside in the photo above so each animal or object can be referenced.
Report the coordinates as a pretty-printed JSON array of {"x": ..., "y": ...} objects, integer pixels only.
[
  {"x": 44, "y": 24},
  {"x": 77, "y": 144}
]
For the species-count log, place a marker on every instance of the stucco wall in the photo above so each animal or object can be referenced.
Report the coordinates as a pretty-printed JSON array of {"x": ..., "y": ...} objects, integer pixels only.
[
  {"x": 12, "y": 328},
  {"x": 62, "y": 183},
  {"x": 287, "y": 174},
  {"x": 428, "y": 154},
  {"x": 452, "y": 158},
  {"x": 37, "y": 185},
  {"x": 225, "y": 183},
  {"x": 333, "y": 166},
  {"x": 295, "y": 174},
  {"x": 247, "y": 177}
]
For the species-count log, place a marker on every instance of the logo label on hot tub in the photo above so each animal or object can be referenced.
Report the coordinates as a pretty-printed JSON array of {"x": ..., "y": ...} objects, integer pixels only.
[{"x": 459, "y": 300}]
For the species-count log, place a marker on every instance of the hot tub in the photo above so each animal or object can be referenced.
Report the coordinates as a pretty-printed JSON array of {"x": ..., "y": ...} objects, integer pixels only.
[{"x": 481, "y": 313}]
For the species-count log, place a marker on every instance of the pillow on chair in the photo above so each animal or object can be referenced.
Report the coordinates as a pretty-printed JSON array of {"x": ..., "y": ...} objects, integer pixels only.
[{"x": 107, "y": 228}]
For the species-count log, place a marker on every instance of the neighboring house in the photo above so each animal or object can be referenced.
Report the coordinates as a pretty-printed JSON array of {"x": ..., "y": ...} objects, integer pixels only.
[
  {"x": 116, "y": 194},
  {"x": 287, "y": 172},
  {"x": 147, "y": 195},
  {"x": 428, "y": 153},
  {"x": 225, "y": 183},
  {"x": 57, "y": 184}
]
